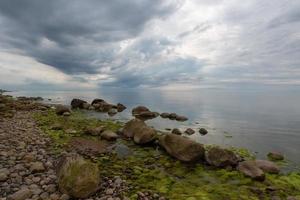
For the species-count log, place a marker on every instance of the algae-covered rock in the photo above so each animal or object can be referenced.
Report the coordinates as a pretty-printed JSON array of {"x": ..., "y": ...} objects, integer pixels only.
[
  {"x": 77, "y": 177},
  {"x": 182, "y": 148},
  {"x": 219, "y": 157},
  {"x": 267, "y": 166},
  {"x": 250, "y": 169}
]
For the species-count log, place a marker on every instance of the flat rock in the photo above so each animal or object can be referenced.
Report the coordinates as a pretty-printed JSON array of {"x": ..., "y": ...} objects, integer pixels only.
[
  {"x": 182, "y": 148},
  {"x": 268, "y": 166}
]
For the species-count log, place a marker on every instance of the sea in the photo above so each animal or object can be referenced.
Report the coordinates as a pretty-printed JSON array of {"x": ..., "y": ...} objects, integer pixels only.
[{"x": 261, "y": 120}]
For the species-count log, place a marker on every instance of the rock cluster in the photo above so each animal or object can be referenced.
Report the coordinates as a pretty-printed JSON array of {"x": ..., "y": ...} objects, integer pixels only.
[
  {"x": 99, "y": 105},
  {"x": 174, "y": 116}
]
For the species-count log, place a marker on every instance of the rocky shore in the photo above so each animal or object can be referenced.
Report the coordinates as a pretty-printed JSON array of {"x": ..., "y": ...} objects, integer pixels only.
[{"x": 56, "y": 152}]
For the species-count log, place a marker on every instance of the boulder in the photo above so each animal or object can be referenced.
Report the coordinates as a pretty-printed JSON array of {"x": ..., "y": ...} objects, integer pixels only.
[
  {"x": 172, "y": 116},
  {"x": 139, "y": 109},
  {"x": 140, "y": 132},
  {"x": 250, "y": 169},
  {"x": 22, "y": 194},
  {"x": 109, "y": 135},
  {"x": 77, "y": 103},
  {"x": 275, "y": 156},
  {"x": 120, "y": 107},
  {"x": 176, "y": 131},
  {"x": 219, "y": 157},
  {"x": 165, "y": 115},
  {"x": 146, "y": 115},
  {"x": 203, "y": 131},
  {"x": 77, "y": 177},
  {"x": 60, "y": 109},
  {"x": 267, "y": 166},
  {"x": 96, "y": 101},
  {"x": 189, "y": 131},
  {"x": 144, "y": 134},
  {"x": 94, "y": 131},
  {"x": 181, "y": 118},
  {"x": 182, "y": 148},
  {"x": 131, "y": 126}
]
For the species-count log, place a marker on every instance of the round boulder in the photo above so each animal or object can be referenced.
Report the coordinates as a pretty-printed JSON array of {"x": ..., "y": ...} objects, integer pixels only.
[
  {"x": 78, "y": 103},
  {"x": 77, "y": 177}
]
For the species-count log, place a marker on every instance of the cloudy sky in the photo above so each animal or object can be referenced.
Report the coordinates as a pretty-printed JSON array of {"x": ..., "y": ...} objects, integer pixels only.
[{"x": 63, "y": 44}]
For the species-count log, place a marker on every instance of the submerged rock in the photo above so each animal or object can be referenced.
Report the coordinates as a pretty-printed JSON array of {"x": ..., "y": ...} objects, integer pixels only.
[
  {"x": 203, "y": 131},
  {"x": 250, "y": 169},
  {"x": 77, "y": 177},
  {"x": 189, "y": 131},
  {"x": 172, "y": 116},
  {"x": 182, "y": 148},
  {"x": 275, "y": 156},
  {"x": 267, "y": 166},
  {"x": 78, "y": 103},
  {"x": 219, "y": 157},
  {"x": 176, "y": 131}
]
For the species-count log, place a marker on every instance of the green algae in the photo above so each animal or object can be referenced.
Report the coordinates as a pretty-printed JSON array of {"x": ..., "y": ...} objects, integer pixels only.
[{"x": 150, "y": 168}]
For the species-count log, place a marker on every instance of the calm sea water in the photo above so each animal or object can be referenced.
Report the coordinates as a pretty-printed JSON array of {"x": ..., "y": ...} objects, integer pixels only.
[{"x": 262, "y": 121}]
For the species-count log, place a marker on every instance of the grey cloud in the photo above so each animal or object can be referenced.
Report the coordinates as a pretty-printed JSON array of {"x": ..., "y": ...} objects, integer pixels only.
[{"x": 71, "y": 24}]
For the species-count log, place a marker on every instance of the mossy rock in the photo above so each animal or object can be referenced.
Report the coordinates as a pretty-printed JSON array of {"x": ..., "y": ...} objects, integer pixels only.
[{"x": 78, "y": 177}]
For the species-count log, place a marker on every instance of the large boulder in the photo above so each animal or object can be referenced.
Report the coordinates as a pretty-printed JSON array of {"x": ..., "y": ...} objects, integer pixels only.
[
  {"x": 78, "y": 103},
  {"x": 77, "y": 177},
  {"x": 139, "y": 131},
  {"x": 250, "y": 169},
  {"x": 60, "y": 109},
  {"x": 130, "y": 127},
  {"x": 267, "y": 166},
  {"x": 182, "y": 148},
  {"x": 219, "y": 157},
  {"x": 139, "y": 109}
]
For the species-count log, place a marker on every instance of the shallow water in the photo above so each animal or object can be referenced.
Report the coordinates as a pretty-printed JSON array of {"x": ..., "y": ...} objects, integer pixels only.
[{"x": 262, "y": 120}]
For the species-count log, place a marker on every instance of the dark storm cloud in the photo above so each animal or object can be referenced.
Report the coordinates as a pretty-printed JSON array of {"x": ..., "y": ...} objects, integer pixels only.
[{"x": 74, "y": 35}]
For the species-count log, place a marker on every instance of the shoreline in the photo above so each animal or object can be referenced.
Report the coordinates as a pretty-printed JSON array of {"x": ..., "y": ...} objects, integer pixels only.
[{"x": 149, "y": 167}]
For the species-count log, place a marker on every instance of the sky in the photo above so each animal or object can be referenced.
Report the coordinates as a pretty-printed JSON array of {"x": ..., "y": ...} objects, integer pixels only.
[{"x": 170, "y": 44}]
